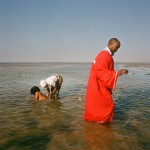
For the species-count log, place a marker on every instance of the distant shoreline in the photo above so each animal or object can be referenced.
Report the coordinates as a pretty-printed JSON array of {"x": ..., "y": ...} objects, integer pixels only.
[
  {"x": 125, "y": 64},
  {"x": 79, "y": 62}
]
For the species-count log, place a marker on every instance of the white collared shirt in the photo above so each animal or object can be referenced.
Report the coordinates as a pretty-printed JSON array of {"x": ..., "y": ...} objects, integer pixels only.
[{"x": 107, "y": 49}]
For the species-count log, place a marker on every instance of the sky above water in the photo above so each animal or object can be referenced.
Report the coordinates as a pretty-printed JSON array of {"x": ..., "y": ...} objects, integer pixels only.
[{"x": 73, "y": 30}]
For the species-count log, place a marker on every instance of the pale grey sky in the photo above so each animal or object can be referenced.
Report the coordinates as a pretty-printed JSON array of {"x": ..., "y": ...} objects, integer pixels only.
[{"x": 73, "y": 30}]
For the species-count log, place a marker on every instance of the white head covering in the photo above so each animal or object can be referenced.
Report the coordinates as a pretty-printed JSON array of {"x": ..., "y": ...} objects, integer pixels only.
[{"x": 43, "y": 83}]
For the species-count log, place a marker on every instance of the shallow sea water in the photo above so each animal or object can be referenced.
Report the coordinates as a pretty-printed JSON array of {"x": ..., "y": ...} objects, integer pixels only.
[{"x": 26, "y": 124}]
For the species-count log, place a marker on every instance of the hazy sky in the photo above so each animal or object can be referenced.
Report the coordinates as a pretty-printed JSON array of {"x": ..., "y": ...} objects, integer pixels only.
[{"x": 73, "y": 30}]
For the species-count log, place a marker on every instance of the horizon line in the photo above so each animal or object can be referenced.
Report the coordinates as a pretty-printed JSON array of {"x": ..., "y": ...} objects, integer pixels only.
[{"x": 69, "y": 62}]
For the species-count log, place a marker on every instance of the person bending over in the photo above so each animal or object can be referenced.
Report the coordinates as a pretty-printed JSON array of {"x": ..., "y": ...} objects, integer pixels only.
[{"x": 53, "y": 85}]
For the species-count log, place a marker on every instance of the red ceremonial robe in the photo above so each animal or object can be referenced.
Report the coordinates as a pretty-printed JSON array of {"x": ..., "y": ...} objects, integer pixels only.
[{"x": 99, "y": 105}]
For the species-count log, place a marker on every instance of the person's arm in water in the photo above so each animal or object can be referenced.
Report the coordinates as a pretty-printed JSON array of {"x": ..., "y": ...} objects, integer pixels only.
[
  {"x": 48, "y": 92},
  {"x": 50, "y": 95},
  {"x": 53, "y": 92}
]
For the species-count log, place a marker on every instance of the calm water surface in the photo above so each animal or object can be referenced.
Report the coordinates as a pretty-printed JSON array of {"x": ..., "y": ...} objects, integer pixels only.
[{"x": 26, "y": 124}]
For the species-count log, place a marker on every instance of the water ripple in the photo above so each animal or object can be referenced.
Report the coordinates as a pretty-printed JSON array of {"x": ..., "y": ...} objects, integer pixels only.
[{"x": 58, "y": 124}]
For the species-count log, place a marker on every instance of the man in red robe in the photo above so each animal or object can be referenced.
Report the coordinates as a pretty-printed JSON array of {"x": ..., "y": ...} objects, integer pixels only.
[{"x": 99, "y": 105}]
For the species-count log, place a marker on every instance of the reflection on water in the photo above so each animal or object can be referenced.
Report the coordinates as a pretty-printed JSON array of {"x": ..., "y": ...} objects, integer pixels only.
[
  {"x": 27, "y": 124},
  {"x": 98, "y": 136}
]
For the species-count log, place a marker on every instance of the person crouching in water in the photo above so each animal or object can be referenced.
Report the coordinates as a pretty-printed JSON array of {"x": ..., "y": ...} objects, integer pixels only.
[
  {"x": 37, "y": 93},
  {"x": 53, "y": 85}
]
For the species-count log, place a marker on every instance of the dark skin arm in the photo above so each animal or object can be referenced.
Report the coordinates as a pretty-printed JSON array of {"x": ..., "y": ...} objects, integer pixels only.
[
  {"x": 48, "y": 92},
  {"x": 122, "y": 71},
  {"x": 52, "y": 93}
]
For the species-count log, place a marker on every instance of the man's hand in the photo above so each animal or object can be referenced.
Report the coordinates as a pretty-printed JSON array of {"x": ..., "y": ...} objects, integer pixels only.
[{"x": 122, "y": 71}]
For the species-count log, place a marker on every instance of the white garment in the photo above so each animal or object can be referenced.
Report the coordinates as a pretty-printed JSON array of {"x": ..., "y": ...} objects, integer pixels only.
[
  {"x": 107, "y": 49},
  {"x": 51, "y": 81}
]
